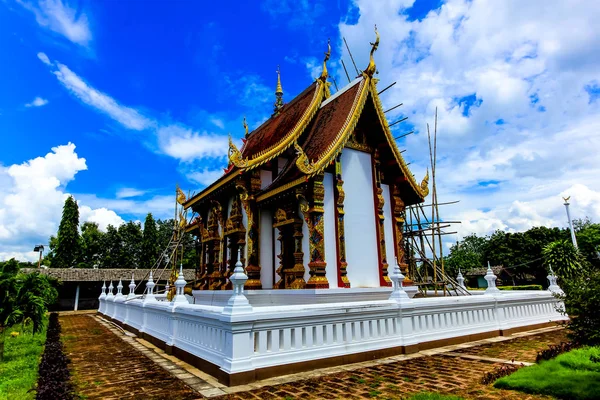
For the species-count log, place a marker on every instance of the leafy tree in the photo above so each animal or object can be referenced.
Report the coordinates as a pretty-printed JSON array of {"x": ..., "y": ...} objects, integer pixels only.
[
  {"x": 564, "y": 259},
  {"x": 68, "y": 245},
  {"x": 92, "y": 245},
  {"x": 582, "y": 304},
  {"x": 150, "y": 244},
  {"x": 25, "y": 298},
  {"x": 113, "y": 245},
  {"x": 466, "y": 255},
  {"x": 131, "y": 235},
  {"x": 588, "y": 240}
]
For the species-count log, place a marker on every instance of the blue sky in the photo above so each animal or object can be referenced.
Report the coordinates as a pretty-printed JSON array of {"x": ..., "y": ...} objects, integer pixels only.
[{"x": 147, "y": 92}]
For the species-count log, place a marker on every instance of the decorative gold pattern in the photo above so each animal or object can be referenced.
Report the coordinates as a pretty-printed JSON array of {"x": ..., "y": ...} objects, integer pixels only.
[
  {"x": 316, "y": 239},
  {"x": 398, "y": 212},
  {"x": 341, "y": 237},
  {"x": 424, "y": 184},
  {"x": 302, "y": 162},
  {"x": 371, "y": 68},
  {"x": 180, "y": 195},
  {"x": 235, "y": 156},
  {"x": 379, "y": 203},
  {"x": 280, "y": 189}
]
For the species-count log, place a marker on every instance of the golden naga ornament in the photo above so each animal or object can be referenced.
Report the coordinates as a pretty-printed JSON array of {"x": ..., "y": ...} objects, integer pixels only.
[
  {"x": 425, "y": 184},
  {"x": 245, "y": 127},
  {"x": 303, "y": 164},
  {"x": 371, "y": 68},
  {"x": 324, "y": 74},
  {"x": 180, "y": 196},
  {"x": 235, "y": 156}
]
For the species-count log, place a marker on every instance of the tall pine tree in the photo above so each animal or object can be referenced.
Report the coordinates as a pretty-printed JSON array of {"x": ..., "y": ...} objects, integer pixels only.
[
  {"x": 150, "y": 245},
  {"x": 68, "y": 246}
]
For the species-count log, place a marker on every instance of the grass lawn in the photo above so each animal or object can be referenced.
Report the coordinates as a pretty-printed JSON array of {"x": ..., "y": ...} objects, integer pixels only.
[
  {"x": 19, "y": 370},
  {"x": 569, "y": 376}
]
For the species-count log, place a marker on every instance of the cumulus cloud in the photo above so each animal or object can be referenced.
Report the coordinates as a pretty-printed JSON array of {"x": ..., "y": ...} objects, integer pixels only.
[
  {"x": 186, "y": 144},
  {"x": 517, "y": 122},
  {"x": 37, "y": 102},
  {"x": 32, "y": 195},
  {"x": 60, "y": 17}
]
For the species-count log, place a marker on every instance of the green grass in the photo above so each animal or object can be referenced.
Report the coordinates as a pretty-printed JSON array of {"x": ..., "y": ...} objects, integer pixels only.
[
  {"x": 433, "y": 396},
  {"x": 569, "y": 376},
  {"x": 18, "y": 371}
]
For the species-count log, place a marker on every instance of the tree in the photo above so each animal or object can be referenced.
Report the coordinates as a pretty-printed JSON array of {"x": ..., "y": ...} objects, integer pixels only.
[
  {"x": 25, "y": 298},
  {"x": 68, "y": 247},
  {"x": 113, "y": 246},
  {"x": 131, "y": 235},
  {"x": 466, "y": 255},
  {"x": 92, "y": 245},
  {"x": 588, "y": 240},
  {"x": 564, "y": 259},
  {"x": 582, "y": 304},
  {"x": 150, "y": 244}
]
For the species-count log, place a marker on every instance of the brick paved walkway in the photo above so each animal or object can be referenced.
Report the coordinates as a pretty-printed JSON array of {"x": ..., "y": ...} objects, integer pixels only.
[
  {"x": 105, "y": 367},
  {"x": 108, "y": 365}
]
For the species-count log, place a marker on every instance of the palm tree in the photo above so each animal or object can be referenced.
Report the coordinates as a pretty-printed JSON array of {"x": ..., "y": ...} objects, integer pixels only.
[{"x": 564, "y": 258}]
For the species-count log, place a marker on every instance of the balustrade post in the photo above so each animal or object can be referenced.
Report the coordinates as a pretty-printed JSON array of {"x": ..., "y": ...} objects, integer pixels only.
[
  {"x": 131, "y": 294},
  {"x": 238, "y": 303},
  {"x": 491, "y": 282},
  {"x": 398, "y": 292},
  {"x": 102, "y": 298},
  {"x": 553, "y": 287},
  {"x": 461, "y": 280}
]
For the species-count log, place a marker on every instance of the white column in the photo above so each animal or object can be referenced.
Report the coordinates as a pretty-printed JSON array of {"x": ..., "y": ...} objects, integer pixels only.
[{"x": 76, "y": 298}]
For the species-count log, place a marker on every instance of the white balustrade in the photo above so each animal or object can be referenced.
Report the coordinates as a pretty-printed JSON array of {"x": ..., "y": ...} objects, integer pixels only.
[{"x": 268, "y": 336}]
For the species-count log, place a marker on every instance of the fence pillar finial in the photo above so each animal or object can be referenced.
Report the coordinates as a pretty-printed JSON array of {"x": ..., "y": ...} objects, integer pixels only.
[
  {"x": 398, "y": 292},
  {"x": 553, "y": 287},
  {"x": 238, "y": 303},
  {"x": 150, "y": 289},
  {"x": 179, "y": 288},
  {"x": 491, "y": 281},
  {"x": 460, "y": 279}
]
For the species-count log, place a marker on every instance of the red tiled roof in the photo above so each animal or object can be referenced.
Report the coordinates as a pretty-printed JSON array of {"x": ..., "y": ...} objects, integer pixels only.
[{"x": 276, "y": 128}]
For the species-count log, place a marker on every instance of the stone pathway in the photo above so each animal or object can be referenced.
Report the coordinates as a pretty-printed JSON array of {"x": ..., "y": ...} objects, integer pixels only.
[{"x": 110, "y": 362}]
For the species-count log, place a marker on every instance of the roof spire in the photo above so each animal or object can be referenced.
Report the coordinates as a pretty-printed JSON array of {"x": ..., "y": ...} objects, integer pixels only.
[
  {"x": 371, "y": 68},
  {"x": 324, "y": 74},
  {"x": 278, "y": 95}
]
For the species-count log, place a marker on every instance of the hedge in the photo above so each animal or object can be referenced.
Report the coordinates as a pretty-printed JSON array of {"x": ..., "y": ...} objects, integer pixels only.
[
  {"x": 54, "y": 379},
  {"x": 523, "y": 287}
]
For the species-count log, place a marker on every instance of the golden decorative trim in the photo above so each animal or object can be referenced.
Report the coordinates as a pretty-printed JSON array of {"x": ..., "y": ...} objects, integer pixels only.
[
  {"x": 235, "y": 156},
  {"x": 392, "y": 142},
  {"x": 267, "y": 155},
  {"x": 280, "y": 189},
  {"x": 358, "y": 146},
  {"x": 342, "y": 137},
  {"x": 324, "y": 73},
  {"x": 302, "y": 162},
  {"x": 424, "y": 184}
]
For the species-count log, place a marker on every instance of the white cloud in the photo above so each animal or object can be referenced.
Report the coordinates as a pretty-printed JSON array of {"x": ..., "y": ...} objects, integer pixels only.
[
  {"x": 59, "y": 17},
  {"x": 32, "y": 195},
  {"x": 217, "y": 122},
  {"x": 185, "y": 144},
  {"x": 124, "y": 193},
  {"x": 37, "y": 102},
  {"x": 44, "y": 58},
  {"x": 205, "y": 177},
  {"x": 129, "y": 117},
  {"x": 531, "y": 132}
]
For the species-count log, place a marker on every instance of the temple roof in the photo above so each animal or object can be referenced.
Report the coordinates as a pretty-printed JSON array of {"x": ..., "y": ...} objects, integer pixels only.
[{"x": 318, "y": 126}]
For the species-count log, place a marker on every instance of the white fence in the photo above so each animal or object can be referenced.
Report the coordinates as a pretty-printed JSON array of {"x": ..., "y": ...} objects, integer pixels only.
[{"x": 270, "y": 336}]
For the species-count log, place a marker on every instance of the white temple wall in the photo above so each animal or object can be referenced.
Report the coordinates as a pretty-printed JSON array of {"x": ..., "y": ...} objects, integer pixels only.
[
  {"x": 388, "y": 227},
  {"x": 359, "y": 220},
  {"x": 266, "y": 249},
  {"x": 329, "y": 231},
  {"x": 266, "y": 177}
]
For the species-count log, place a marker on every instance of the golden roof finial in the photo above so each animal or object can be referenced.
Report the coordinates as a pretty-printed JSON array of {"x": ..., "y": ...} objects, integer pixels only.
[
  {"x": 371, "y": 68},
  {"x": 279, "y": 89},
  {"x": 278, "y": 95},
  {"x": 324, "y": 74},
  {"x": 235, "y": 156},
  {"x": 245, "y": 126}
]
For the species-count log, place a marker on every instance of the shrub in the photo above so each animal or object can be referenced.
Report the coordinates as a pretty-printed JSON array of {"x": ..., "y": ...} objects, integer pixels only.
[
  {"x": 504, "y": 370},
  {"x": 554, "y": 350},
  {"x": 54, "y": 377},
  {"x": 582, "y": 305}
]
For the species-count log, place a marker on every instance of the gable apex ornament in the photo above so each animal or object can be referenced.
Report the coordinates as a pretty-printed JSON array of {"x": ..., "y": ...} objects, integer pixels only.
[
  {"x": 324, "y": 73},
  {"x": 302, "y": 162},
  {"x": 371, "y": 68}
]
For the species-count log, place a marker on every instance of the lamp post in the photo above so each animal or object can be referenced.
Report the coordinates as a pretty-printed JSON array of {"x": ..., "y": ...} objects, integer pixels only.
[
  {"x": 40, "y": 248},
  {"x": 566, "y": 199}
]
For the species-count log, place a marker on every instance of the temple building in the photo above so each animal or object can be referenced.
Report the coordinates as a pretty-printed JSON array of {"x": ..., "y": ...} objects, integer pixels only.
[{"x": 314, "y": 198}]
